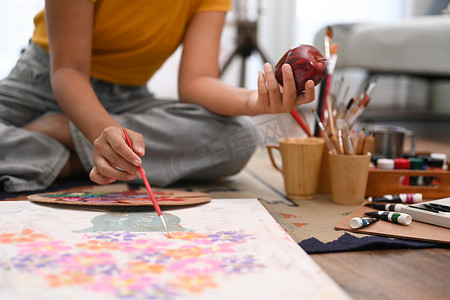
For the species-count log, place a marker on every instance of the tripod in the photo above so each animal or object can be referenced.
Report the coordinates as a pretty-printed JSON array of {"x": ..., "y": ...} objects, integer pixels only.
[{"x": 246, "y": 45}]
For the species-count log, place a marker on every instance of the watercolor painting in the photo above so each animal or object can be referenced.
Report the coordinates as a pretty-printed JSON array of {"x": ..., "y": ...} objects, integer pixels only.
[
  {"x": 128, "y": 198},
  {"x": 225, "y": 249}
]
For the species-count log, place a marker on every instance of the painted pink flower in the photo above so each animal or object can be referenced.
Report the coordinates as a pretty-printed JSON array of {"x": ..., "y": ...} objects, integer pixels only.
[
  {"x": 95, "y": 245},
  {"x": 45, "y": 247},
  {"x": 124, "y": 284},
  {"x": 140, "y": 267},
  {"x": 133, "y": 264},
  {"x": 195, "y": 266},
  {"x": 186, "y": 251},
  {"x": 222, "y": 248},
  {"x": 87, "y": 261}
]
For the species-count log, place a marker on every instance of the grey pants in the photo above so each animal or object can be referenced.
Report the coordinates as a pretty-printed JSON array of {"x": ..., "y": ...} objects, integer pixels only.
[{"x": 184, "y": 141}]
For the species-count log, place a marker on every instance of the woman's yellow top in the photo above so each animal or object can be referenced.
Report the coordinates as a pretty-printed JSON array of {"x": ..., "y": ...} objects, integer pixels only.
[{"x": 132, "y": 39}]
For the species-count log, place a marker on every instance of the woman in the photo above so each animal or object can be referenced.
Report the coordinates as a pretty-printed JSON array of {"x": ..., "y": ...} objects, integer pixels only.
[{"x": 83, "y": 78}]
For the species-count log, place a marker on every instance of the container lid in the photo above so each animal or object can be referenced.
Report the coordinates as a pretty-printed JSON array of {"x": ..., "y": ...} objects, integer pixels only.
[
  {"x": 442, "y": 156},
  {"x": 401, "y": 163},
  {"x": 416, "y": 163},
  {"x": 385, "y": 163},
  {"x": 426, "y": 159},
  {"x": 435, "y": 163}
]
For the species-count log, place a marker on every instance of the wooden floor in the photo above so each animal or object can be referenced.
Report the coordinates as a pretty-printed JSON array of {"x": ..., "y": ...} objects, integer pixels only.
[
  {"x": 420, "y": 274},
  {"x": 390, "y": 274}
]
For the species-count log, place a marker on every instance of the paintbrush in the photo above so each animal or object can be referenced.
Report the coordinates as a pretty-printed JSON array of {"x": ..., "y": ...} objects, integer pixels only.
[
  {"x": 342, "y": 104},
  {"x": 330, "y": 116},
  {"x": 327, "y": 42},
  {"x": 149, "y": 189},
  {"x": 299, "y": 120},
  {"x": 365, "y": 99},
  {"x": 326, "y": 82},
  {"x": 348, "y": 140},
  {"x": 338, "y": 88},
  {"x": 340, "y": 128},
  {"x": 324, "y": 133},
  {"x": 331, "y": 65}
]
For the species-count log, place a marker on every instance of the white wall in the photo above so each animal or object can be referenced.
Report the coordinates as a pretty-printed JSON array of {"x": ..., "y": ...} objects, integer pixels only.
[
  {"x": 282, "y": 24},
  {"x": 16, "y": 27}
]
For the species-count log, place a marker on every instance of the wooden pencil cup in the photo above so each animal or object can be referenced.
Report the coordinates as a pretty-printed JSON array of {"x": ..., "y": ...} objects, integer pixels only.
[
  {"x": 324, "y": 186},
  {"x": 301, "y": 159},
  {"x": 348, "y": 174}
]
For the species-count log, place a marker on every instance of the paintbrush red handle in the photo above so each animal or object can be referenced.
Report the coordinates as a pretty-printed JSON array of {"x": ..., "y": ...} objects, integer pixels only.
[
  {"x": 147, "y": 185},
  {"x": 298, "y": 118}
]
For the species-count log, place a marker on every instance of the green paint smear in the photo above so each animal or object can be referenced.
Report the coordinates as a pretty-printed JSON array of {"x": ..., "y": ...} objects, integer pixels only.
[{"x": 133, "y": 222}]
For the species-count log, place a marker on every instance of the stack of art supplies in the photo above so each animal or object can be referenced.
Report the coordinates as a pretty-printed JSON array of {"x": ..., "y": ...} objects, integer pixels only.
[
  {"x": 335, "y": 115},
  {"x": 336, "y": 128},
  {"x": 403, "y": 208}
]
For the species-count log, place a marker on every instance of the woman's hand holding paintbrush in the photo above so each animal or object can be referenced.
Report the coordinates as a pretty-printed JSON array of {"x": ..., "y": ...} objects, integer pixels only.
[{"x": 114, "y": 159}]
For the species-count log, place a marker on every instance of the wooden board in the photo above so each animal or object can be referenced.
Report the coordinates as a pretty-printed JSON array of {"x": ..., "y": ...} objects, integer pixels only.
[
  {"x": 387, "y": 182},
  {"x": 127, "y": 198},
  {"x": 415, "y": 231}
]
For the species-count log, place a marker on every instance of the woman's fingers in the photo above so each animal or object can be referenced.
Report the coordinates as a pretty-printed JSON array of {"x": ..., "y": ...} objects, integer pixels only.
[
  {"x": 113, "y": 157},
  {"x": 273, "y": 89},
  {"x": 97, "y": 177},
  {"x": 263, "y": 94},
  {"x": 137, "y": 142},
  {"x": 289, "y": 88},
  {"x": 110, "y": 164},
  {"x": 272, "y": 98},
  {"x": 113, "y": 138},
  {"x": 309, "y": 95}
]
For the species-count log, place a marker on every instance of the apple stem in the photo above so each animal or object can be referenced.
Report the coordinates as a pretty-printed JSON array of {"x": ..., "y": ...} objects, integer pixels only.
[{"x": 321, "y": 59}]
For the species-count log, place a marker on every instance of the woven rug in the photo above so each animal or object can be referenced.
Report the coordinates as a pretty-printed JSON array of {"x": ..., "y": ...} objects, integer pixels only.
[{"x": 309, "y": 222}]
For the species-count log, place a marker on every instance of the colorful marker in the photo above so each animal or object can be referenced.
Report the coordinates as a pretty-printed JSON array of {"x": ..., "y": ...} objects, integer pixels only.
[
  {"x": 388, "y": 207},
  {"x": 394, "y": 217},
  {"x": 358, "y": 222},
  {"x": 401, "y": 198}
]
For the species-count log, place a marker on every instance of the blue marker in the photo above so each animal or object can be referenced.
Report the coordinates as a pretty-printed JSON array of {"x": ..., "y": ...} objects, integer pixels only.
[
  {"x": 394, "y": 217},
  {"x": 358, "y": 222}
]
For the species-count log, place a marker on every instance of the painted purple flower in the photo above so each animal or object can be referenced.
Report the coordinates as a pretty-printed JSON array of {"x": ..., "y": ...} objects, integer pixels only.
[
  {"x": 237, "y": 264},
  {"x": 32, "y": 261},
  {"x": 229, "y": 236}
]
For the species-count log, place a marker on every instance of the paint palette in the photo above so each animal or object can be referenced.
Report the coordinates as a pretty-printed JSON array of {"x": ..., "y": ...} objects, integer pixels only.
[{"x": 128, "y": 198}]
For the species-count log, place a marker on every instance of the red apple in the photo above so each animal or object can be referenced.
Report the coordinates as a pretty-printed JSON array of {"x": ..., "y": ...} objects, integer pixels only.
[{"x": 306, "y": 62}]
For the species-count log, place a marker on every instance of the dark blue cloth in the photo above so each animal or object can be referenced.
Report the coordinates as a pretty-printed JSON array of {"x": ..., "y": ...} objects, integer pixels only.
[{"x": 349, "y": 242}]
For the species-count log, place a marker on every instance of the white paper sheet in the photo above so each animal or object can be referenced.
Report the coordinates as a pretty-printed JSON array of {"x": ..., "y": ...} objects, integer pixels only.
[{"x": 225, "y": 249}]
